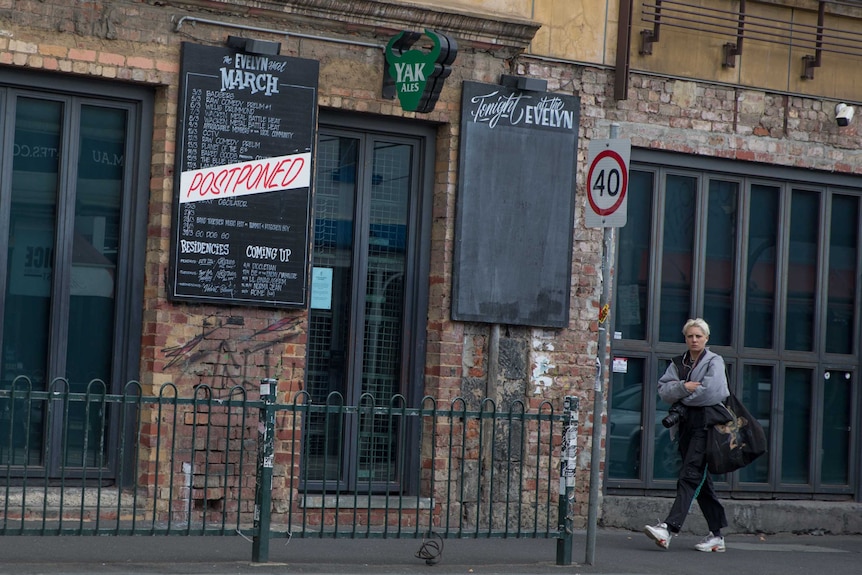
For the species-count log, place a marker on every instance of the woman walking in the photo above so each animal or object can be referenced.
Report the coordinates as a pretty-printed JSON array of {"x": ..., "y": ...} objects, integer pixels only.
[{"x": 693, "y": 382}]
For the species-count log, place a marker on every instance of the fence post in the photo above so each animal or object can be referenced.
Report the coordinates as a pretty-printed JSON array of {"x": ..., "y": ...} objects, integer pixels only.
[
  {"x": 263, "y": 485},
  {"x": 568, "y": 464}
]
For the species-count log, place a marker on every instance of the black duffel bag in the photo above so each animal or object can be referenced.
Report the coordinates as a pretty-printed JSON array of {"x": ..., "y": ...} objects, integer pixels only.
[{"x": 737, "y": 441}]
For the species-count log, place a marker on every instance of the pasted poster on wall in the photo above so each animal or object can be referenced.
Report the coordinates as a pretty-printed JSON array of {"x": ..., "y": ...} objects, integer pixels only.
[
  {"x": 242, "y": 187},
  {"x": 515, "y": 210}
]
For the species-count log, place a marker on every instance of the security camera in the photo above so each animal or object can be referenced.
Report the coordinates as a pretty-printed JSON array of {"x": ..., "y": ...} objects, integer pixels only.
[{"x": 844, "y": 114}]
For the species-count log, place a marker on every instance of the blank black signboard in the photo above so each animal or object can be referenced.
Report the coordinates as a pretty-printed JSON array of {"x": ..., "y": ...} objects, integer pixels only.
[
  {"x": 243, "y": 177},
  {"x": 515, "y": 210}
]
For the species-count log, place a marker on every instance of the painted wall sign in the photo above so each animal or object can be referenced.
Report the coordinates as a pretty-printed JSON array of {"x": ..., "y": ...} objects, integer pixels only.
[
  {"x": 515, "y": 212},
  {"x": 417, "y": 75},
  {"x": 243, "y": 177}
]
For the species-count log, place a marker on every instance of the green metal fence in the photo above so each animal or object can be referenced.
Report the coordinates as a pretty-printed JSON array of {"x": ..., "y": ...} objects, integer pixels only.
[{"x": 235, "y": 462}]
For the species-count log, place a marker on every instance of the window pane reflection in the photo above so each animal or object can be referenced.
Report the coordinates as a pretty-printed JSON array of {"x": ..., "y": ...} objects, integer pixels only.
[
  {"x": 757, "y": 397},
  {"x": 384, "y": 307},
  {"x": 666, "y": 457},
  {"x": 843, "y": 247},
  {"x": 31, "y": 240},
  {"x": 837, "y": 407},
  {"x": 760, "y": 279},
  {"x": 677, "y": 248},
  {"x": 720, "y": 268},
  {"x": 630, "y": 316},
  {"x": 626, "y": 410},
  {"x": 796, "y": 429},
  {"x": 95, "y": 249},
  {"x": 802, "y": 271}
]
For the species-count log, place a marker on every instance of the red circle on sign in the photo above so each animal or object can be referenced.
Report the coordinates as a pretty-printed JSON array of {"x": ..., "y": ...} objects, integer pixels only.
[{"x": 615, "y": 157}]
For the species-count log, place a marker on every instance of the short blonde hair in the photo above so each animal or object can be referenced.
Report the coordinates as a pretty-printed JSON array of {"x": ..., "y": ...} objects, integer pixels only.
[{"x": 696, "y": 322}]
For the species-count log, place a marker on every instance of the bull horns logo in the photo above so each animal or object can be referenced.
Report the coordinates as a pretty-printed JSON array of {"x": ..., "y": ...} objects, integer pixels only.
[{"x": 419, "y": 75}]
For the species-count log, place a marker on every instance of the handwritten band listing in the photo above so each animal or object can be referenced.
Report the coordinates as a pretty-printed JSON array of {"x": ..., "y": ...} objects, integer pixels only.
[{"x": 243, "y": 178}]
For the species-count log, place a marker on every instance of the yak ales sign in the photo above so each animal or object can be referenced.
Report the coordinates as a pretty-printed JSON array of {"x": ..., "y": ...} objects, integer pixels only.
[{"x": 418, "y": 75}]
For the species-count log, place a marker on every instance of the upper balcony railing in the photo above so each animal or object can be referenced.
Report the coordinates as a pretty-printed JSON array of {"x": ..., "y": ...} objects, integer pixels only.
[{"x": 739, "y": 25}]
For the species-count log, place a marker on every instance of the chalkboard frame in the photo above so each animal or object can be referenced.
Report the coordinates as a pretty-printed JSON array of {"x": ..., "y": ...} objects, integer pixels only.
[
  {"x": 280, "y": 216},
  {"x": 514, "y": 224}
]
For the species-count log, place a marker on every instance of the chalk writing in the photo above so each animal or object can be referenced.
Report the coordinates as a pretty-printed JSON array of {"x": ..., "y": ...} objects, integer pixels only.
[
  {"x": 494, "y": 107},
  {"x": 243, "y": 179}
]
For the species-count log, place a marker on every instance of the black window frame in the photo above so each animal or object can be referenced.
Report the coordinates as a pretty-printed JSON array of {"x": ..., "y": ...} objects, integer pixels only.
[
  {"x": 414, "y": 323},
  {"x": 139, "y": 103}
]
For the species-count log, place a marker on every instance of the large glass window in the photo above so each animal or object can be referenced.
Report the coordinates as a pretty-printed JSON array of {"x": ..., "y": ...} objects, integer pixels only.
[
  {"x": 772, "y": 262},
  {"x": 71, "y": 206}
]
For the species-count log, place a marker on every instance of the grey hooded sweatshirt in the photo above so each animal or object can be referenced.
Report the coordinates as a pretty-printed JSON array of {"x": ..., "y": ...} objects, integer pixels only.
[{"x": 709, "y": 371}]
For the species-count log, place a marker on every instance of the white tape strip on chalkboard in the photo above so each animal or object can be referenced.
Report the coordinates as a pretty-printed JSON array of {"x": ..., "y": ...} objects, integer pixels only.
[{"x": 246, "y": 178}]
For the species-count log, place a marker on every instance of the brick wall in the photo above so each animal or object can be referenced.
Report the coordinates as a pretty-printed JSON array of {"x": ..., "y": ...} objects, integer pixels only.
[{"x": 222, "y": 347}]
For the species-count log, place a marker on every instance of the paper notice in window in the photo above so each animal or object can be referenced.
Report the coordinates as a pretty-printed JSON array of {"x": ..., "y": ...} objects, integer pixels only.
[{"x": 321, "y": 288}]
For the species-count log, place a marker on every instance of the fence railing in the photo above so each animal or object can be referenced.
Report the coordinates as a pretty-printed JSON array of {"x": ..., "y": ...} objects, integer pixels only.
[{"x": 236, "y": 462}]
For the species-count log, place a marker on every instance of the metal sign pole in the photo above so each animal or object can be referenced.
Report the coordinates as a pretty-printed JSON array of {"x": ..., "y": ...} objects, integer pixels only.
[{"x": 598, "y": 393}]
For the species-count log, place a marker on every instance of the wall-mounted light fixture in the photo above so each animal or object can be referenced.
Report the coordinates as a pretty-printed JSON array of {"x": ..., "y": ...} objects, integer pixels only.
[
  {"x": 252, "y": 46},
  {"x": 524, "y": 83},
  {"x": 844, "y": 114}
]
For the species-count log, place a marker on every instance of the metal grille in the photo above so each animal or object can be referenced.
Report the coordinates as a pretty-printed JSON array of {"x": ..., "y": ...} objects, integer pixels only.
[{"x": 384, "y": 304}]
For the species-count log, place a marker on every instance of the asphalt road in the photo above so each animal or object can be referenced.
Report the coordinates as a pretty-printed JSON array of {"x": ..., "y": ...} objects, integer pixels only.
[{"x": 616, "y": 553}]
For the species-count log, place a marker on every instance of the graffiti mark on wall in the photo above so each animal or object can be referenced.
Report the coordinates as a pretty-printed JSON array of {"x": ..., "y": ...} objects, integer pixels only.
[{"x": 224, "y": 354}]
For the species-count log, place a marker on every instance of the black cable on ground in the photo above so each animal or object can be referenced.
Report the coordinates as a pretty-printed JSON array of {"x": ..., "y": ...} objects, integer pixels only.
[{"x": 431, "y": 550}]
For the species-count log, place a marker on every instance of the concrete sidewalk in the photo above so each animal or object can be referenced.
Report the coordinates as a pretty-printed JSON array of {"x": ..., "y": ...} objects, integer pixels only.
[{"x": 617, "y": 552}]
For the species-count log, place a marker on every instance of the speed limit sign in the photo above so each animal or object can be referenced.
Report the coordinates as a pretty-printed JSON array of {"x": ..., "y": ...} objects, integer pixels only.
[{"x": 607, "y": 183}]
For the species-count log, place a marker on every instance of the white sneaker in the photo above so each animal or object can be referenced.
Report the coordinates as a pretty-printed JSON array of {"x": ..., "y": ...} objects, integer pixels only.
[
  {"x": 660, "y": 535},
  {"x": 711, "y": 543}
]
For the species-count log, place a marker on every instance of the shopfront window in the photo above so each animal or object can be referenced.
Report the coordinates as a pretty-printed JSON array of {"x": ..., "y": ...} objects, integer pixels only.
[
  {"x": 772, "y": 264},
  {"x": 72, "y": 197}
]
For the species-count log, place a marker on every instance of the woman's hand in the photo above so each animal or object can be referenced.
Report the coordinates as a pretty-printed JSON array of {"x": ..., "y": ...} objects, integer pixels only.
[{"x": 691, "y": 386}]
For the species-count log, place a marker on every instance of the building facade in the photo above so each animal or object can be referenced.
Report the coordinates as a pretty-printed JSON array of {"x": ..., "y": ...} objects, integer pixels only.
[{"x": 743, "y": 208}]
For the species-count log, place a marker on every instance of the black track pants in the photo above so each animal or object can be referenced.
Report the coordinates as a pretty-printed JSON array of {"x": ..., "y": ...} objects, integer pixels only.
[{"x": 692, "y": 447}]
